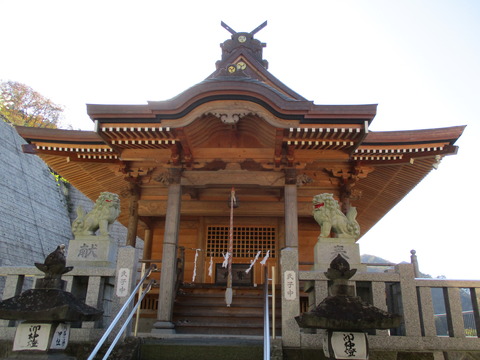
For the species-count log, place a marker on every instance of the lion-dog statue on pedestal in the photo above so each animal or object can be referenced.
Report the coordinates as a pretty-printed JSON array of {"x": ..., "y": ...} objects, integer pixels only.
[
  {"x": 101, "y": 217},
  {"x": 328, "y": 215}
]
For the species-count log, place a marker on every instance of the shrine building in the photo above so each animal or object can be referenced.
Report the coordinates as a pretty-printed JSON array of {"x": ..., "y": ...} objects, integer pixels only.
[{"x": 174, "y": 163}]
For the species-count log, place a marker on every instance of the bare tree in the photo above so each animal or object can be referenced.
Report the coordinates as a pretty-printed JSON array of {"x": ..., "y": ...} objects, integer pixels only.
[{"x": 21, "y": 105}]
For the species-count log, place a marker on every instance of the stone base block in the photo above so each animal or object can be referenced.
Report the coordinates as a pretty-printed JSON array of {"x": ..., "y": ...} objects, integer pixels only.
[
  {"x": 38, "y": 356},
  {"x": 98, "y": 251},
  {"x": 326, "y": 249},
  {"x": 163, "y": 327}
]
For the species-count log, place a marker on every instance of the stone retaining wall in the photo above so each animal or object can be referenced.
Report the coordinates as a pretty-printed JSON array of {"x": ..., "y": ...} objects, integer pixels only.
[{"x": 35, "y": 211}]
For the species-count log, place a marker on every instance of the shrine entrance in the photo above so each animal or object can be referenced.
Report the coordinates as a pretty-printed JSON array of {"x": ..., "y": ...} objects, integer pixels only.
[{"x": 252, "y": 244}]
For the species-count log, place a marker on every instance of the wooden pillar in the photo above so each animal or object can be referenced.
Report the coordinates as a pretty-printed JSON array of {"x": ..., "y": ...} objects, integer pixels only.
[
  {"x": 291, "y": 210},
  {"x": 168, "y": 275},
  {"x": 133, "y": 215},
  {"x": 147, "y": 244}
]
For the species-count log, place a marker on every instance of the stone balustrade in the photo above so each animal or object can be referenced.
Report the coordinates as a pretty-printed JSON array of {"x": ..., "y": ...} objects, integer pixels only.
[
  {"x": 96, "y": 286},
  {"x": 395, "y": 291},
  {"x": 400, "y": 292}
]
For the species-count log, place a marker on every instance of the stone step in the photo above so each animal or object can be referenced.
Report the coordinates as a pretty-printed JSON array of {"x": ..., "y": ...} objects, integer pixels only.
[
  {"x": 202, "y": 348},
  {"x": 202, "y": 310}
]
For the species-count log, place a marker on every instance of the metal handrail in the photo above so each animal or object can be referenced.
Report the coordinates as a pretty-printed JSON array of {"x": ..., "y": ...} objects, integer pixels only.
[
  {"x": 129, "y": 317},
  {"x": 120, "y": 314},
  {"x": 266, "y": 318}
]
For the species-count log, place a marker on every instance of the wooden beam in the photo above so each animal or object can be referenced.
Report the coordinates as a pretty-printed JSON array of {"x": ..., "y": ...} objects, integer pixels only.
[
  {"x": 233, "y": 153},
  {"x": 233, "y": 177},
  {"x": 220, "y": 208},
  {"x": 158, "y": 155}
]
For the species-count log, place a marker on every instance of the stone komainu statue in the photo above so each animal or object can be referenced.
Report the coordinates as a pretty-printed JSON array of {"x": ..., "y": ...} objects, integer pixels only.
[
  {"x": 101, "y": 217},
  {"x": 328, "y": 215}
]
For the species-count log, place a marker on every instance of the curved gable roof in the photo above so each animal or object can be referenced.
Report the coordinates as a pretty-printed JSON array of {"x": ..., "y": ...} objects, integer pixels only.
[{"x": 274, "y": 128}]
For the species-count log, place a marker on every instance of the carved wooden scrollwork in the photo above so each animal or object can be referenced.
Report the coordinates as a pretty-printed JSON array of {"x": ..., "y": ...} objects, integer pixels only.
[
  {"x": 303, "y": 179},
  {"x": 136, "y": 174},
  {"x": 347, "y": 179},
  {"x": 172, "y": 176},
  {"x": 230, "y": 117}
]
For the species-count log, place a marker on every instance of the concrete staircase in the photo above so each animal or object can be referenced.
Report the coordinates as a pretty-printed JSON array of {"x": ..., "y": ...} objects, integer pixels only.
[{"x": 201, "y": 309}]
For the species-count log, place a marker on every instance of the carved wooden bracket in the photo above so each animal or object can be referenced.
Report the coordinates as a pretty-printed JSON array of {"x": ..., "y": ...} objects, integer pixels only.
[
  {"x": 290, "y": 154},
  {"x": 354, "y": 173},
  {"x": 303, "y": 179},
  {"x": 185, "y": 149},
  {"x": 348, "y": 178},
  {"x": 172, "y": 176},
  {"x": 136, "y": 174},
  {"x": 175, "y": 155},
  {"x": 278, "y": 147}
]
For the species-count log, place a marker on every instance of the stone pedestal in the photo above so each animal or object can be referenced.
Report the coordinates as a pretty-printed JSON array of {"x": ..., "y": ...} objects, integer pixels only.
[
  {"x": 326, "y": 249},
  {"x": 41, "y": 340},
  {"x": 98, "y": 251}
]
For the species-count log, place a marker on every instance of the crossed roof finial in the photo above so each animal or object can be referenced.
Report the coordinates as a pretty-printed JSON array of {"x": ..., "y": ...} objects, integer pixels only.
[
  {"x": 253, "y": 32},
  {"x": 244, "y": 42}
]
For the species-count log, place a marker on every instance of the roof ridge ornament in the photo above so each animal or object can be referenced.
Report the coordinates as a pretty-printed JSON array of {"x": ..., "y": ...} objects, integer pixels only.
[
  {"x": 244, "y": 40},
  {"x": 253, "y": 32}
]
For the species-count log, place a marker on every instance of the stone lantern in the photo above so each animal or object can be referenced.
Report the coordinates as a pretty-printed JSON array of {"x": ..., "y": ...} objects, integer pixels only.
[
  {"x": 345, "y": 317},
  {"x": 46, "y": 311}
]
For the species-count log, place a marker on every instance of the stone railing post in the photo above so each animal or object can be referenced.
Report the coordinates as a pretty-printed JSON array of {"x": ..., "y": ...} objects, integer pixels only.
[
  {"x": 379, "y": 301},
  {"x": 125, "y": 282},
  {"x": 93, "y": 297},
  {"x": 13, "y": 287},
  {"x": 475, "y": 297},
  {"x": 427, "y": 312},
  {"x": 454, "y": 312},
  {"x": 414, "y": 261},
  {"x": 289, "y": 268},
  {"x": 409, "y": 299}
]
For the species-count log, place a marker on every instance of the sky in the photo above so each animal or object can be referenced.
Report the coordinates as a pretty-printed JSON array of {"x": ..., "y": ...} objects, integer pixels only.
[{"x": 419, "y": 60}]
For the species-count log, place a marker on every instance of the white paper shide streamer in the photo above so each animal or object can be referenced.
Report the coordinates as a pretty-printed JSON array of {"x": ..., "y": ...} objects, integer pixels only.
[
  {"x": 225, "y": 259},
  {"x": 195, "y": 265},
  {"x": 253, "y": 262},
  {"x": 210, "y": 267},
  {"x": 264, "y": 261}
]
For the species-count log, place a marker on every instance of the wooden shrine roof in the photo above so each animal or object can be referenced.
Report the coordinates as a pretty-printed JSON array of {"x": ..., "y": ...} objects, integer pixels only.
[
  {"x": 93, "y": 165},
  {"x": 241, "y": 126}
]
